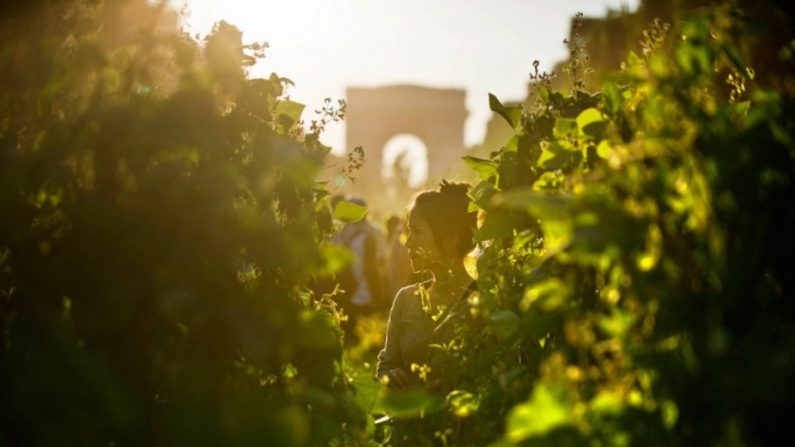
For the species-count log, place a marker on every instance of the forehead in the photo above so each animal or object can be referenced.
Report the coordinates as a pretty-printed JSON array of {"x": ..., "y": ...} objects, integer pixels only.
[{"x": 416, "y": 220}]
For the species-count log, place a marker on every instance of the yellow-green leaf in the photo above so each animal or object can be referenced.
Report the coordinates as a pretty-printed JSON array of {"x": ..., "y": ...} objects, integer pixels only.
[
  {"x": 590, "y": 121},
  {"x": 484, "y": 168},
  {"x": 547, "y": 409},
  {"x": 349, "y": 212}
]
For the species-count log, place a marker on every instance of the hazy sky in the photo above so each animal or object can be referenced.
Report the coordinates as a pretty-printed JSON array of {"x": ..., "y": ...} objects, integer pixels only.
[{"x": 326, "y": 45}]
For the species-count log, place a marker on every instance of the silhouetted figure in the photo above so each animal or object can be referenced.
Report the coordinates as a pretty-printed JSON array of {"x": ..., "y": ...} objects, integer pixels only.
[{"x": 439, "y": 238}]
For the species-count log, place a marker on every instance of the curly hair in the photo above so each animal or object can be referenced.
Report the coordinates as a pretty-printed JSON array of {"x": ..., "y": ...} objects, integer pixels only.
[{"x": 446, "y": 211}]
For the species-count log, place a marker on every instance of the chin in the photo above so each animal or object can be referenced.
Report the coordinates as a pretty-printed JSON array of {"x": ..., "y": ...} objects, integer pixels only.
[{"x": 417, "y": 265}]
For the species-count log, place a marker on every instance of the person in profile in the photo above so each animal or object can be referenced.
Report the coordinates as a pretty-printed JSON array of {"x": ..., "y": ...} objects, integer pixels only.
[{"x": 440, "y": 229}]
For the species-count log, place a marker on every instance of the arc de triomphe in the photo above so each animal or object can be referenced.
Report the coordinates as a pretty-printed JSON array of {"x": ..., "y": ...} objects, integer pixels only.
[{"x": 375, "y": 115}]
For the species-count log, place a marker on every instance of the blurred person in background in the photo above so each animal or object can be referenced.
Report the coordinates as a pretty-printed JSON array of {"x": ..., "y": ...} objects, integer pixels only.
[{"x": 363, "y": 281}]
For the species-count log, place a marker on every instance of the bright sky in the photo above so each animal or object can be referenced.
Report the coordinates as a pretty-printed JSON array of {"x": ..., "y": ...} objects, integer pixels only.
[{"x": 325, "y": 46}]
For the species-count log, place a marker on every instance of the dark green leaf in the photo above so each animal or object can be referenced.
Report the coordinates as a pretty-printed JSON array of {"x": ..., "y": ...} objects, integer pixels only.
[
  {"x": 505, "y": 322},
  {"x": 410, "y": 404},
  {"x": 590, "y": 121},
  {"x": 512, "y": 115}
]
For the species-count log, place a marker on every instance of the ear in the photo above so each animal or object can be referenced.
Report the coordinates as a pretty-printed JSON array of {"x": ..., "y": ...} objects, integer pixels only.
[{"x": 450, "y": 246}]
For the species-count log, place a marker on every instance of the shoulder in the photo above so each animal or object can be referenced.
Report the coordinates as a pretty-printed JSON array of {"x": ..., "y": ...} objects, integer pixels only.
[
  {"x": 408, "y": 296},
  {"x": 407, "y": 291}
]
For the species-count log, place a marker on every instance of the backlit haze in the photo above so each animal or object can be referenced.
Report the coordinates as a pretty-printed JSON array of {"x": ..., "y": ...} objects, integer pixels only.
[{"x": 325, "y": 46}]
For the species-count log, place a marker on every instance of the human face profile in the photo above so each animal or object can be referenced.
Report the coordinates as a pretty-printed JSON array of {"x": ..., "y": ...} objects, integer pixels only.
[{"x": 421, "y": 244}]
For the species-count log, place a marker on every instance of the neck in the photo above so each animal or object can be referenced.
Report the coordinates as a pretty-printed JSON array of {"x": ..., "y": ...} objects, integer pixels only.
[{"x": 450, "y": 282}]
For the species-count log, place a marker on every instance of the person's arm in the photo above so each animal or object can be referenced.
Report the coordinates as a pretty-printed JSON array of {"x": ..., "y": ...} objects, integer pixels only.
[{"x": 389, "y": 359}]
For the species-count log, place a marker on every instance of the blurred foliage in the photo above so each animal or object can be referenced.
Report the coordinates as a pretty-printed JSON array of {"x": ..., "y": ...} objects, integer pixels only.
[
  {"x": 633, "y": 286},
  {"x": 159, "y": 230}
]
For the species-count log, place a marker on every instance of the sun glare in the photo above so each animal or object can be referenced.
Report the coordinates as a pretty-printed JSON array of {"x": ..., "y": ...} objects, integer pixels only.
[{"x": 326, "y": 46}]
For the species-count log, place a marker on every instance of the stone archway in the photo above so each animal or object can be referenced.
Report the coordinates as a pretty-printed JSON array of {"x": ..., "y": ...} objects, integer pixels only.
[
  {"x": 404, "y": 166},
  {"x": 405, "y": 152},
  {"x": 375, "y": 116}
]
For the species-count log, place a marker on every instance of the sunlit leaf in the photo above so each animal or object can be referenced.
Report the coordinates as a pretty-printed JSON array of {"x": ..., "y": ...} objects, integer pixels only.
[
  {"x": 603, "y": 149},
  {"x": 462, "y": 403},
  {"x": 349, "y": 212},
  {"x": 559, "y": 155},
  {"x": 547, "y": 409},
  {"x": 607, "y": 402},
  {"x": 334, "y": 259},
  {"x": 590, "y": 121},
  {"x": 670, "y": 413},
  {"x": 617, "y": 323},
  {"x": 564, "y": 127},
  {"x": 484, "y": 168},
  {"x": 287, "y": 114},
  {"x": 549, "y": 294}
]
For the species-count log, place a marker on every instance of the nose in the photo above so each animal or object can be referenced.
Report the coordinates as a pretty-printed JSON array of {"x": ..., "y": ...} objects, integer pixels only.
[{"x": 410, "y": 241}]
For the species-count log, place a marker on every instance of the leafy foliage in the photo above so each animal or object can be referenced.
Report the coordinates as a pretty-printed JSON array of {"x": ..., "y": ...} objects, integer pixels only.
[
  {"x": 633, "y": 287},
  {"x": 160, "y": 227}
]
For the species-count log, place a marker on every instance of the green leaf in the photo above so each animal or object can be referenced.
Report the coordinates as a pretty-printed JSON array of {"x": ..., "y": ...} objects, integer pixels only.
[
  {"x": 484, "y": 168},
  {"x": 590, "y": 121},
  {"x": 607, "y": 403},
  {"x": 512, "y": 115},
  {"x": 603, "y": 149},
  {"x": 482, "y": 193},
  {"x": 669, "y": 412},
  {"x": 505, "y": 322},
  {"x": 513, "y": 144},
  {"x": 546, "y": 410},
  {"x": 612, "y": 98},
  {"x": 633, "y": 59},
  {"x": 462, "y": 403},
  {"x": 317, "y": 330},
  {"x": 333, "y": 258},
  {"x": 542, "y": 204},
  {"x": 558, "y": 234},
  {"x": 409, "y": 404},
  {"x": 742, "y": 107},
  {"x": 558, "y": 155},
  {"x": 549, "y": 181},
  {"x": 564, "y": 127},
  {"x": 41, "y": 139},
  {"x": 549, "y": 295},
  {"x": 498, "y": 223},
  {"x": 734, "y": 56},
  {"x": 349, "y": 211},
  {"x": 287, "y": 113},
  {"x": 617, "y": 323},
  {"x": 276, "y": 84},
  {"x": 692, "y": 55}
]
